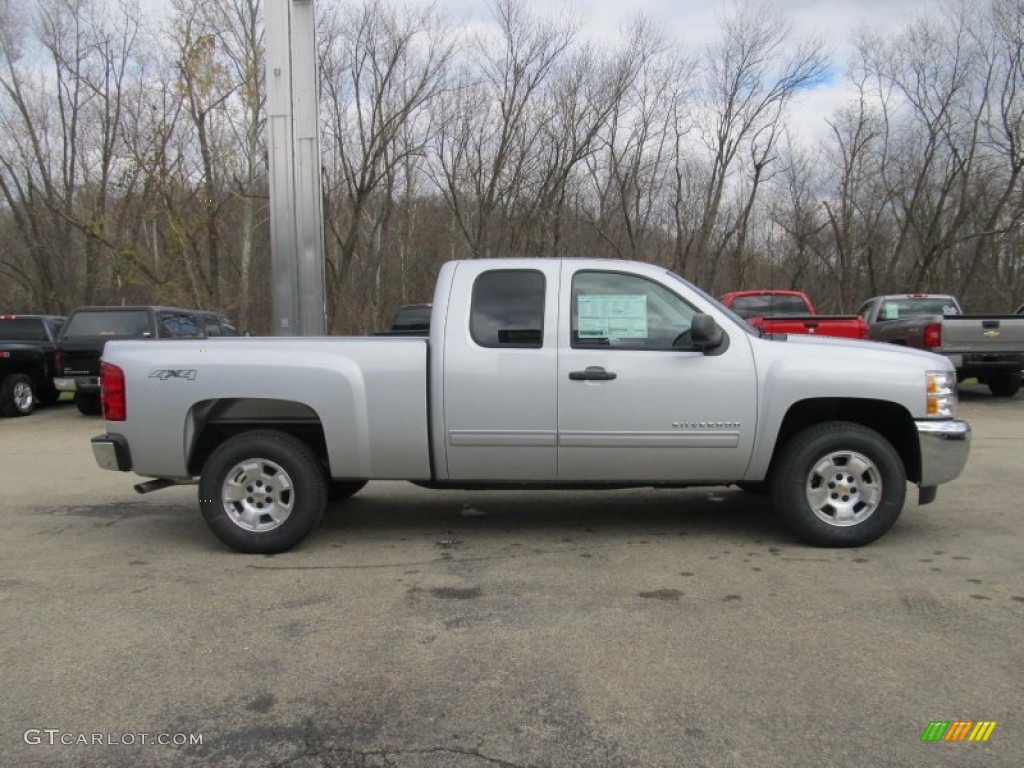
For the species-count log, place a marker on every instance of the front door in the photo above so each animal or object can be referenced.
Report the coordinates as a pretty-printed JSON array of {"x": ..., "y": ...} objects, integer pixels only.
[{"x": 635, "y": 402}]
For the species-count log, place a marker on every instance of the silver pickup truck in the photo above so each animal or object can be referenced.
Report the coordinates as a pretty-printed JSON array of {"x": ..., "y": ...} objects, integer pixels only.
[
  {"x": 537, "y": 373},
  {"x": 987, "y": 347}
]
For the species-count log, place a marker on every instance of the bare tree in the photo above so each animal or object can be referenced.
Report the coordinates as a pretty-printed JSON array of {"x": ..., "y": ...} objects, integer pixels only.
[
  {"x": 751, "y": 74},
  {"x": 488, "y": 134},
  {"x": 380, "y": 65}
]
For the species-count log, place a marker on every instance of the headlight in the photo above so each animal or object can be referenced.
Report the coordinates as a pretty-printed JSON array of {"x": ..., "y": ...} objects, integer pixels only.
[{"x": 941, "y": 388}]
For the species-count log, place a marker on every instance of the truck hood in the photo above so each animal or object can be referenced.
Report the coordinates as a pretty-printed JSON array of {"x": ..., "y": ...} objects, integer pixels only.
[{"x": 854, "y": 348}]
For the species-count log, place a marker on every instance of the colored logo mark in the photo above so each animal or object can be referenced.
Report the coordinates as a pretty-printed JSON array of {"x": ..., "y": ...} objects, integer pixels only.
[{"x": 958, "y": 730}]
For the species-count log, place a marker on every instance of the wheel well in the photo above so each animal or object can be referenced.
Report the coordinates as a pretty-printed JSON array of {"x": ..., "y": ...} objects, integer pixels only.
[
  {"x": 892, "y": 421},
  {"x": 214, "y": 421}
]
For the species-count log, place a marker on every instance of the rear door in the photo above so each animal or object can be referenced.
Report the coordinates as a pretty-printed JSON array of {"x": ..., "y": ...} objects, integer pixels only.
[
  {"x": 500, "y": 361},
  {"x": 635, "y": 402}
]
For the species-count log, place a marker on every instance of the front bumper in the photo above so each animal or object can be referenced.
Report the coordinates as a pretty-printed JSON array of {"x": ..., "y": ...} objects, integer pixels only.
[
  {"x": 944, "y": 449},
  {"x": 111, "y": 452}
]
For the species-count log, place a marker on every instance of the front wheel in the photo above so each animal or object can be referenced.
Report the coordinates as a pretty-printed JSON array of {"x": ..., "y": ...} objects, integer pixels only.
[
  {"x": 839, "y": 484},
  {"x": 262, "y": 491},
  {"x": 17, "y": 395},
  {"x": 1005, "y": 385}
]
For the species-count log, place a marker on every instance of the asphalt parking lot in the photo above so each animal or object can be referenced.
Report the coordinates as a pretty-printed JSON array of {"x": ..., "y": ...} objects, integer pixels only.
[{"x": 419, "y": 629}]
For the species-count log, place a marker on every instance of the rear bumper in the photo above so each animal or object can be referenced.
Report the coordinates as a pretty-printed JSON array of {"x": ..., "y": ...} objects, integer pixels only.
[
  {"x": 111, "y": 452},
  {"x": 980, "y": 364},
  {"x": 77, "y": 383},
  {"x": 944, "y": 449}
]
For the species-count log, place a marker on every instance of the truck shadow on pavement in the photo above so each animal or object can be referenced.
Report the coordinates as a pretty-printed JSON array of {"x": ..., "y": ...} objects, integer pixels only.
[{"x": 716, "y": 511}]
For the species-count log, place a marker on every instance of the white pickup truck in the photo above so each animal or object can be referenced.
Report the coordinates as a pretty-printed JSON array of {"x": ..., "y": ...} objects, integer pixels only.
[{"x": 537, "y": 373}]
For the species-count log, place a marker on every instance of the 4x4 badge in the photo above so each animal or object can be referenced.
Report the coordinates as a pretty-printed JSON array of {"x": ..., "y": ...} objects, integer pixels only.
[{"x": 171, "y": 373}]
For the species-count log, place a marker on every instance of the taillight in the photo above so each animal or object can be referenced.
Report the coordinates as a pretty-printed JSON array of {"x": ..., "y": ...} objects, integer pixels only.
[
  {"x": 112, "y": 395},
  {"x": 933, "y": 335}
]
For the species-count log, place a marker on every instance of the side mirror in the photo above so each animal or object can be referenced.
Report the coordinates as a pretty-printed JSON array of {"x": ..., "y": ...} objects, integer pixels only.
[{"x": 705, "y": 333}]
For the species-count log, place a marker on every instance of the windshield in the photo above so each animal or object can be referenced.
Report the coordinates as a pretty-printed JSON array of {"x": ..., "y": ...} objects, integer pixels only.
[
  {"x": 714, "y": 302},
  {"x": 768, "y": 305},
  {"x": 893, "y": 309}
]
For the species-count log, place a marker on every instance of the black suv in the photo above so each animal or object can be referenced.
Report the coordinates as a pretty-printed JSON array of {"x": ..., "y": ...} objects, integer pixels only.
[{"x": 88, "y": 329}]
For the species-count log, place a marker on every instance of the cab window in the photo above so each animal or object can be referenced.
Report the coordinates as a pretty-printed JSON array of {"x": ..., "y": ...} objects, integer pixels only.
[
  {"x": 612, "y": 309},
  {"x": 181, "y": 326},
  {"x": 508, "y": 309}
]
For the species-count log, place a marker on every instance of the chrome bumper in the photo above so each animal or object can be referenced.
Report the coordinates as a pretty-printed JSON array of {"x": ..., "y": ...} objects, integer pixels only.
[
  {"x": 77, "y": 383},
  {"x": 944, "y": 449},
  {"x": 111, "y": 452}
]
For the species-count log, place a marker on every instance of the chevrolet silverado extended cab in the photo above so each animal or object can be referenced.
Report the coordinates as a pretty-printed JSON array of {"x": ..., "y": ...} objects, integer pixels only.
[
  {"x": 988, "y": 347},
  {"x": 28, "y": 345},
  {"x": 538, "y": 373},
  {"x": 778, "y": 311}
]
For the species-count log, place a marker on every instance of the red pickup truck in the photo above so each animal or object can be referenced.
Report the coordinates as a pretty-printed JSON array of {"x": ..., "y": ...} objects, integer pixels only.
[{"x": 778, "y": 311}]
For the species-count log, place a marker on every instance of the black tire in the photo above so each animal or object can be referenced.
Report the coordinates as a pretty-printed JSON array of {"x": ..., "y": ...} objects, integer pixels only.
[
  {"x": 18, "y": 395},
  {"x": 338, "y": 490},
  {"x": 49, "y": 395},
  {"x": 1005, "y": 385},
  {"x": 855, "y": 505},
  {"x": 267, "y": 521},
  {"x": 88, "y": 403}
]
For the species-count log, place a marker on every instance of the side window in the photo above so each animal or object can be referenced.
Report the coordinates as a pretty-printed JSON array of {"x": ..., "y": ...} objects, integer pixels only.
[
  {"x": 610, "y": 309},
  {"x": 865, "y": 310},
  {"x": 176, "y": 325},
  {"x": 508, "y": 309}
]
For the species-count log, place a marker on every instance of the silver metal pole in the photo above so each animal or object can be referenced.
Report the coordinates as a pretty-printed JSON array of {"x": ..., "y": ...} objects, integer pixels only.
[{"x": 293, "y": 144}]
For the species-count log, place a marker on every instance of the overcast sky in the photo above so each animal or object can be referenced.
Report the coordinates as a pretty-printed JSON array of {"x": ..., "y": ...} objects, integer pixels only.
[{"x": 695, "y": 22}]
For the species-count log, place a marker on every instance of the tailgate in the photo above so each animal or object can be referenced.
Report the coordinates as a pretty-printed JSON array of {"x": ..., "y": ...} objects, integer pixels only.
[
  {"x": 983, "y": 333},
  {"x": 81, "y": 356},
  {"x": 845, "y": 326}
]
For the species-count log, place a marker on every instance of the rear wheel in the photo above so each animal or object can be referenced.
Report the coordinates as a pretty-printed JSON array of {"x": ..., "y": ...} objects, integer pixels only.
[
  {"x": 17, "y": 395},
  {"x": 839, "y": 484},
  {"x": 1006, "y": 385},
  {"x": 337, "y": 490},
  {"x": 88, "y": 403},
  {"x": 262, "y": 491}
]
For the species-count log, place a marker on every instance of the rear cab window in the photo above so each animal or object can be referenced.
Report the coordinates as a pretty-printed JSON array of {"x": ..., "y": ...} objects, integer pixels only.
[
  {"x": 22, "y": 329},
  {"x": 507, "y": 309},
  {"x": 134, "y": 322},
  {"x": 769, "y": 306}
]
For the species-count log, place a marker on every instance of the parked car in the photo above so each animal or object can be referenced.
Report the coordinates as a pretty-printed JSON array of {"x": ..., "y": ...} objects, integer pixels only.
[
  {"x": 988, "y": 347},
  {"x": 88, "y": 329},
  {"x": 27, "y": 362},
  {"x": 537, "y": 373},
  {"x": 780, "y": 311}
]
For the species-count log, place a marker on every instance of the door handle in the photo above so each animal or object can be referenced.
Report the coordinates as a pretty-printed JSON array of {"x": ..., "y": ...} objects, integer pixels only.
[{"x": 592, "y": 373}]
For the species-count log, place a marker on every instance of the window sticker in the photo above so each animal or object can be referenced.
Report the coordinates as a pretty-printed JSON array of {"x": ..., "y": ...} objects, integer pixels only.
[{"x": 612, "y": 317}]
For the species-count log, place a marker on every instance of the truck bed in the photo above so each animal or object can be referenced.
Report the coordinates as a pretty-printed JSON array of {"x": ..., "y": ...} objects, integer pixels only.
[{"x": 374, "y": 389}]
